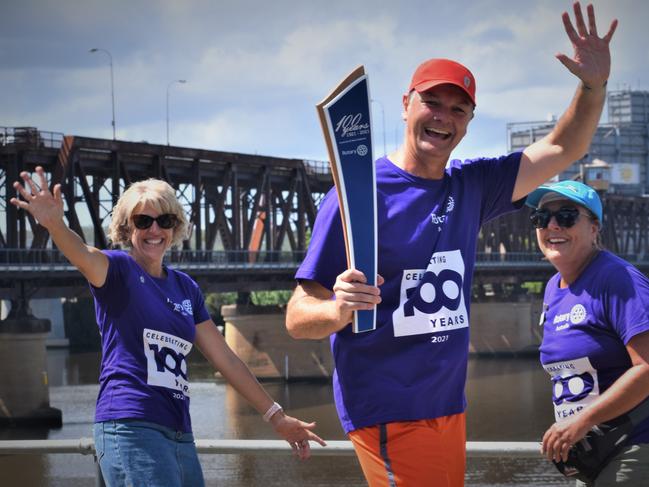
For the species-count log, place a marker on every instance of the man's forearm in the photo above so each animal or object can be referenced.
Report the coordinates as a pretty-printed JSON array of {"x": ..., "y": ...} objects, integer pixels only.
[
  {"x": 566, "y": 143},
  {"x": 575, "y": 129},
  {"x": 309, "y": 317}
]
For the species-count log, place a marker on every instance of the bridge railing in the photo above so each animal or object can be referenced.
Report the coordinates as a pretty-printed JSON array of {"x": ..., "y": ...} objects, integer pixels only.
[
  {"x": 85, "y": 446},
  {"x": 31, "y": 256},
  {"x": 184, "y": 258},
  {"x": 270, "y": 258},
  {"x": 316, "y": 167},
  {"x": 495, "y": 257},
  {"x": 225, "y": 257},
  {"x": 30, "y": 137},
  {"x": 231, "y": 257}
]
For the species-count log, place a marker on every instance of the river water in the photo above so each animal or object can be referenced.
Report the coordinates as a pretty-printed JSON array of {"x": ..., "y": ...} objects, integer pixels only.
[{"x": 509, "y": 400}]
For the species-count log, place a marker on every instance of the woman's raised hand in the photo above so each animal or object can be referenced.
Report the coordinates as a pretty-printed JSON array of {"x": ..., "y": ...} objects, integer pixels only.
[{"x": 45, "y": 206}]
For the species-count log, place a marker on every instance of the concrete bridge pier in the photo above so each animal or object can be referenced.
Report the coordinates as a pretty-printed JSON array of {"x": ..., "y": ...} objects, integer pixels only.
[
  {"x": 506, "y": 327},
  {"x": 24, "y": 393},
  {"x": 258, "y": 336}
]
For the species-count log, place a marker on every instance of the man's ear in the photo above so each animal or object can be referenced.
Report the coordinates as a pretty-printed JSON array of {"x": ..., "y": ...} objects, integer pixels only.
[{"x": 405, "y": 99}]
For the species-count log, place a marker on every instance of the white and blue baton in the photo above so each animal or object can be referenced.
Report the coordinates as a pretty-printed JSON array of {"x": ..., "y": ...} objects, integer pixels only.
[{"x": 346, "y": 124}]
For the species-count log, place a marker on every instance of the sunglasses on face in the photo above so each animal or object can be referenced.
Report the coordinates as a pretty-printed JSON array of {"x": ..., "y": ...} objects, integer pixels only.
[
  {"x": 166, "y": 221},
  {"x": 566, "y": 217}
]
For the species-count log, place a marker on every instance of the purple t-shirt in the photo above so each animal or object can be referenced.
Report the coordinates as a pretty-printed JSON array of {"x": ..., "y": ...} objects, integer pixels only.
[
  {"x": 147, "y": 328},
  {"x": 413, "y": 366},
  {"x": 586, "y": 327}
]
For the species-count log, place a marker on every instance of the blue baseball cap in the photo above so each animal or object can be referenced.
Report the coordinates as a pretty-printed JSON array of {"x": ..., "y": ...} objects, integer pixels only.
[{"x": 571, "y": 190}]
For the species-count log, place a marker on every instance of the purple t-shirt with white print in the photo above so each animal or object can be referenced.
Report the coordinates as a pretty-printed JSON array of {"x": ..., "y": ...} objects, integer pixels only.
[
  {"x": 586, "y": 327},
  {"x": 147, "y": 328},
  {"x": 413, "y": 366}
]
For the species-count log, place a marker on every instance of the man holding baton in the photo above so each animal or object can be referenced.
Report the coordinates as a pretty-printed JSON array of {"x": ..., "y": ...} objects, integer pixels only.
[{"x": 399, "y": 389}]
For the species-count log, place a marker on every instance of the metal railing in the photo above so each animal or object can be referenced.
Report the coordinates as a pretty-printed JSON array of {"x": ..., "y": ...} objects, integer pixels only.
[
  {"x": 86, "y": 446},
  {"x": 30, "y": 137},
  {"x": 52, "y": 259},
  {"x": 313, "y": 167},
  {"x": 229, "y": 257}
]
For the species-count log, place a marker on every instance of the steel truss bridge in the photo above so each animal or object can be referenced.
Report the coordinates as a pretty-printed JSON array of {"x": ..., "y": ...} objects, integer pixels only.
[{"x": 250, "y": 216}]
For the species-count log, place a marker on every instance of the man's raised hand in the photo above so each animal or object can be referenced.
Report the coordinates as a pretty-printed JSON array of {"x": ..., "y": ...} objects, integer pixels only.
[{"x": 591, "y": 61}]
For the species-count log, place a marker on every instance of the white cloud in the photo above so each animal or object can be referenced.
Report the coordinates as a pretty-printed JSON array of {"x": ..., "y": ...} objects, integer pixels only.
[{"x": 256, "y": 69}]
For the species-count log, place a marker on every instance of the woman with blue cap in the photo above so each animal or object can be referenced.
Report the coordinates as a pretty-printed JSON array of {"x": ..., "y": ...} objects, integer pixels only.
[{"x": 595, "y": 322}]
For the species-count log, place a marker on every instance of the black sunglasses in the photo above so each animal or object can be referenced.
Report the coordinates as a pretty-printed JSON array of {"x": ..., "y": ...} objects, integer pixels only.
[
  {"x": 566, "y": 217},
  {"x": 166, "y": 221}
]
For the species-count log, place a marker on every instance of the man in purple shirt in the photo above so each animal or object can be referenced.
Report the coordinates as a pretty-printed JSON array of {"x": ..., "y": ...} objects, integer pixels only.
[{"x": 399, "y": 390}]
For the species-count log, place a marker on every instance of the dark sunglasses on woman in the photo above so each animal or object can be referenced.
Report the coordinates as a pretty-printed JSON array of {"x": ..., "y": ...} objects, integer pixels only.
[
  {"x": 566, "y": 216},
  {"x": 165, "y": 221}
]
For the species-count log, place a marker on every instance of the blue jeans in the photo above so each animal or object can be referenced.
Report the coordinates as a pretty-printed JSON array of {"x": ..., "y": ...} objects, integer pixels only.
[{"x": 138, "y": 453}]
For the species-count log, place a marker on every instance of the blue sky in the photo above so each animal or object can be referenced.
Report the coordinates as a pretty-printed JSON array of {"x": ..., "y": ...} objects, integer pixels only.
[{"x": 255, "y": 70}]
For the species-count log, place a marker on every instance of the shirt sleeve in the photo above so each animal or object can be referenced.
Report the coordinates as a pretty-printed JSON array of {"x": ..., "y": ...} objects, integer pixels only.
[
  {"x": 114, "y": 277},
  {"x": 199, "y": 309},
  {"x": 325, "y": 258},
  {"x": 497, "y": 177},
  {"x": 628, "y": 299}
]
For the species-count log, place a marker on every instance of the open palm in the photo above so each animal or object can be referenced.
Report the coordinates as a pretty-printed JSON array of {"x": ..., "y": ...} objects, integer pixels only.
[
  {"x": 591, "y": 61},
  {"x": 43, "y": 205}
]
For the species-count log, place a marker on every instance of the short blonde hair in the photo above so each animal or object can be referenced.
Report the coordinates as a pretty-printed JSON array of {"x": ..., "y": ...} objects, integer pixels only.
[{"x": 157, "y": 193}]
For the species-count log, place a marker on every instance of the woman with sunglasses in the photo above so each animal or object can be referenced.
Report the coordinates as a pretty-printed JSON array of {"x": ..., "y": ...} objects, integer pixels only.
[
  {"x": 595, "y": 322},
  {"x": 149, "y": 316}
]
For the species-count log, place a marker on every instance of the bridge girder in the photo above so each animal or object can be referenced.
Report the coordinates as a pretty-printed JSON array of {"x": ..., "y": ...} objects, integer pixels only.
[
  {"x": 240, "y": 202},
  {"x": 225, "y": 194}
]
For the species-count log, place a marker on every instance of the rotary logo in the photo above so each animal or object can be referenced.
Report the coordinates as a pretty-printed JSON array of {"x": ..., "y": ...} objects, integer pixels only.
[
  {"x": 184, "y": 308},
  {"x": 450, "y": 205},
  {"x": 440, "y": 219},
  {"x": 361, "y": 150},
  {"x": 577, "y": 314}
]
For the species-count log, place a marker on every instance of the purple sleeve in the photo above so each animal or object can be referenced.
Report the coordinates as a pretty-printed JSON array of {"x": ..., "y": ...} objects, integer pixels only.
[
  {"x": 326, "y": 257},
  {"x": 497, "y": 178},
  {"x": 628, "y": 303},
  {"x": 200, "y": 310},
  {"x": 113, "y": 286}
]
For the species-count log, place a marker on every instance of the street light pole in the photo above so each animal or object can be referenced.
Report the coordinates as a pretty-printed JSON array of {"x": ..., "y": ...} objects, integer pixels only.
[
  {"x": 169, "y": 86},
  {"x": 385, "y": 152},
  {"x": 112, "y": 86}
]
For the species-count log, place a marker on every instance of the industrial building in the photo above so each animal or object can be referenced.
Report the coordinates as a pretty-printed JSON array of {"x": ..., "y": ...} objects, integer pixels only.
[{"x": 618, "y": 158}]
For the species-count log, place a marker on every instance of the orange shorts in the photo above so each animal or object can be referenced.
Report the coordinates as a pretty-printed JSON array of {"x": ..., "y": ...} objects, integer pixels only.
[{"x": 424, "y": 453}]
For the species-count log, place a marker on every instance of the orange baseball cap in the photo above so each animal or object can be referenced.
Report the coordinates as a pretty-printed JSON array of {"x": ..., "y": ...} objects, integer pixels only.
[{"x": 443, "y": 71}]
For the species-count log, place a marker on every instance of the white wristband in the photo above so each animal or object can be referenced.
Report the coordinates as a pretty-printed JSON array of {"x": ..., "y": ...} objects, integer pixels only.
[{"x": 271, "y": 411}]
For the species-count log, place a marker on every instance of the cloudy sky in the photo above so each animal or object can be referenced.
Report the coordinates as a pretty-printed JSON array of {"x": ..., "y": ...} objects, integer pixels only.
[{"x": 255, "y": 69}]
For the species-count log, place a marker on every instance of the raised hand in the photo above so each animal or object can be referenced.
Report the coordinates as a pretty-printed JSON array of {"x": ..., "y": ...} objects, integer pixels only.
[
  {"x": 46, "y": 207},
  {"x": 591, "y": 61}
]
